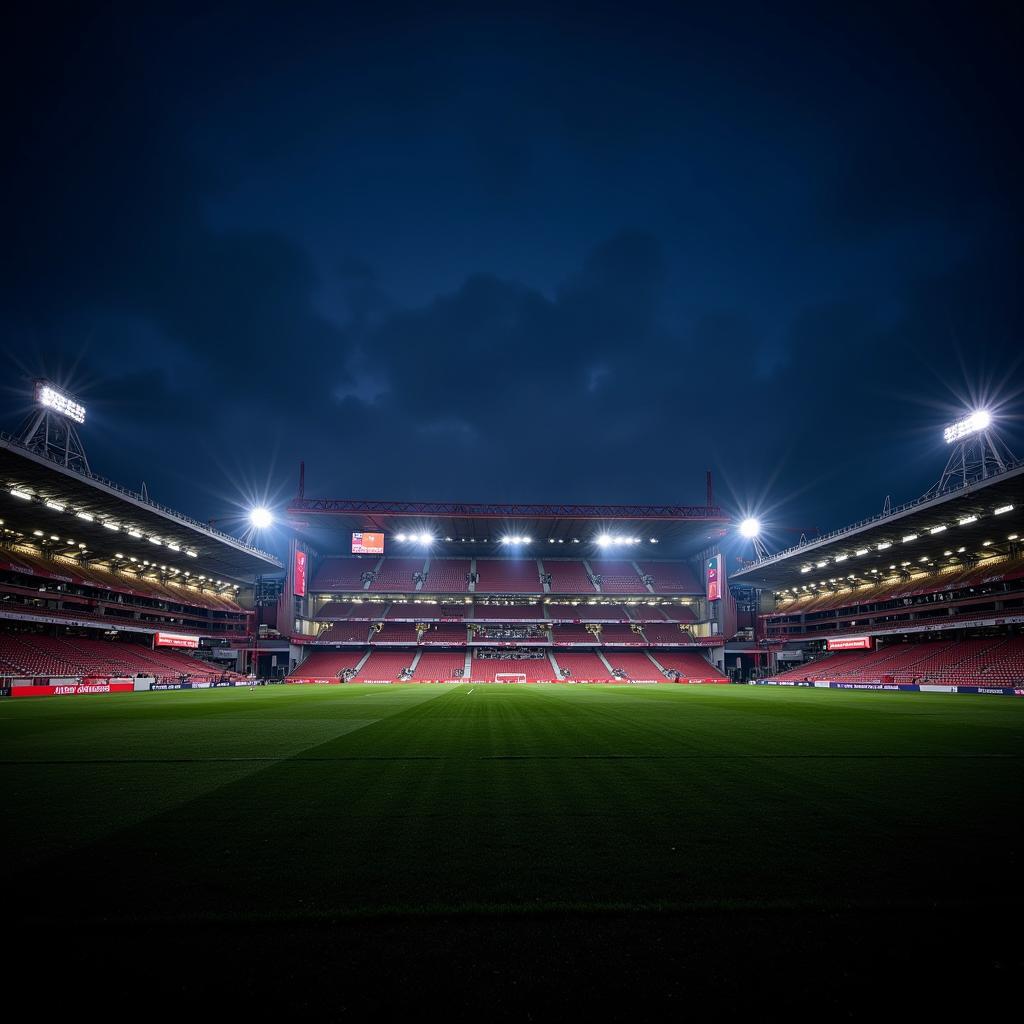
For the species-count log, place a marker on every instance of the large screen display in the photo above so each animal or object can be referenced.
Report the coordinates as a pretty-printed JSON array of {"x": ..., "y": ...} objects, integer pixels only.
[
  {"x": 849, "y": 643},
  {"x": 367, "y": 543},
  {"x": 300, "y": 574},
  {"x": 176, "y": 640}
]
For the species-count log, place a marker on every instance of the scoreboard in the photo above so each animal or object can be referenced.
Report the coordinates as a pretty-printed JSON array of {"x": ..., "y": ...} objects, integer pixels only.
[{"x": 367, "y": 543}]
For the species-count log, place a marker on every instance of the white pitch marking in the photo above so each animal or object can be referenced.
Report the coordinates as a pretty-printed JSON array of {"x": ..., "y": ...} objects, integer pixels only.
[{"x": 470, "y": 690}]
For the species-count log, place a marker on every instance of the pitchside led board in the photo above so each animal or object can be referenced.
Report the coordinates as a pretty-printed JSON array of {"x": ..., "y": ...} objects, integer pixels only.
[
  {"x": 367, "y": 543},
  {"x": 850, "y": 643},
  {"x": 716, "y": 577}
]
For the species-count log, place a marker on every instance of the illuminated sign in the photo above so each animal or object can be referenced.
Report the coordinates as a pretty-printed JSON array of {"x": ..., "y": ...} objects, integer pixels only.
[
  {"x": 715, "y": 578},
  {"x": 850, "y": 643},
  {"x": 50, "y": 397},
  {"x": 367, "y": 543},
  {"x": 299, "y": 577},
  {"x": 176, "y": 640}
]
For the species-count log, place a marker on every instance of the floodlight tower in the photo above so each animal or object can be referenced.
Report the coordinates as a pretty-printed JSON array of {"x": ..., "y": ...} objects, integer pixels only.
[
  {"x": 50, "y": 429},
  {"x": 977, "y": 453},
  {"x": 750, "y": 528}
]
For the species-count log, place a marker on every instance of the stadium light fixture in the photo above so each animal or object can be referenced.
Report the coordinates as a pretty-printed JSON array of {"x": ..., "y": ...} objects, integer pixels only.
[
  {"x": 24, "y": 495},
  {"x": 401, "y": 537},
  {"x": 937, "y": 529},
  {"x": 885, "y": 544},
  {"x": 603, "y": 540},
  {"x": 135, "y": 534},
  {"x": 55, "y": 505},
  {"x": 1012, "y": 536},
  {"x": 909, "y": 537},
  {"x": 107, "y": 525},
  {"x": 967, "y": 520},
  {"x": 261, "y": 517},
  {"x": 842, "y": 558},
  {"x": 426, "y": 538},
  {"x": 654, "y": 540},
  {"x": 87, "y": 516},
  {"x": 750, "y": 527},
  {"x": 861, "y": 551},
  {"x": 960, "y": 551},
  {"x": 53, "y": 398},
  {"x": 973, "y": 424},
  {"x": 1002, "y": 509}
]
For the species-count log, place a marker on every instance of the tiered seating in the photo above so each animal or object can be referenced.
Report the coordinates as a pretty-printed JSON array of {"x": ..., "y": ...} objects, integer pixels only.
[
  {"x": 507, "y": 612},
  {"x": 334, "y": 610},
  {"x": 445, "y": 633},
  {"x": 620, "y": 633},
  {"x": 690, "y": 666},
  {"x": 508, "y": 576},
  {"x": 589, "y": 612},
  {"x": 341, "y": 574},
  {"x": 346, "y": 633},
  {"x": 584, "y": 665},
  {"x": 1007, "y": 669},
  {"x": 397, "y": 574},
  {"x": 677, "y": 613},
  {"x": 572, "y": 634},
  {"x": 897, "y": 660},
  {"x": 635, "y": 666},
  {"x": 536, "y": 670},
  {"x": 664, "y": 633},
  {"x": 671, "y": 577},
  {"x": 27, "y": 656},
  {"x": 569, "y": 576},
  {"x": 326, "y": 664},
  {"x": 440, "y": 665},
  {"x": 395, "y": 633},
  {"x": 447, "y": 576},
  {"x": 618, "y": 576},
  {"x": 385, "y": 666}
]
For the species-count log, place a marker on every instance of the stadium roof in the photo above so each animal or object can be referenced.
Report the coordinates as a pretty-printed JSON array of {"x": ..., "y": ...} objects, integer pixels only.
[
  {"x": 977, "y": 520},
  {"x": 96, "y": 511},
  {"x": 471, "y": 527}
]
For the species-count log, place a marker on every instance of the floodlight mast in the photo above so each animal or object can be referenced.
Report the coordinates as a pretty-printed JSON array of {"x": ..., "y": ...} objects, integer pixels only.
[
  {"x": 978, "y": 453},
  {"x": 50, "y": 429}
]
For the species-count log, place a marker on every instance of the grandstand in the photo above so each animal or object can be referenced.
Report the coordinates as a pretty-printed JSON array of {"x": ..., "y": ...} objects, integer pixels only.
[
  {"x": 928, "y": 595},
  {"x": 550, "y": 584},
  {"x": 98, "y": 582}
]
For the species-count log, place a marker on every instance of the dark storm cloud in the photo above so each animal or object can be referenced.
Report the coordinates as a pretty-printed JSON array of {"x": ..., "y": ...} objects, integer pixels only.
[{"x": 517, "y": 256}]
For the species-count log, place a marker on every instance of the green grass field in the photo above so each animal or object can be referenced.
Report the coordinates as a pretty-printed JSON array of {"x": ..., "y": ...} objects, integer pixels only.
[{"x": 544, "y": 839}]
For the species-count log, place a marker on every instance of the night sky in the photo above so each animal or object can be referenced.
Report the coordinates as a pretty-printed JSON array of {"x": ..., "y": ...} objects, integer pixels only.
[{"x": 525, "y": 256}]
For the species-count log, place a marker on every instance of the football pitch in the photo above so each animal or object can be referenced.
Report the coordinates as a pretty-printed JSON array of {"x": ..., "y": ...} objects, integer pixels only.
[{"x": 552, "y": 845}]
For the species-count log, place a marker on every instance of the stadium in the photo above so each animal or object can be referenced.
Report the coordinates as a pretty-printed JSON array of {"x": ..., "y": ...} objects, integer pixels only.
[{"x": 511, "y": 736}]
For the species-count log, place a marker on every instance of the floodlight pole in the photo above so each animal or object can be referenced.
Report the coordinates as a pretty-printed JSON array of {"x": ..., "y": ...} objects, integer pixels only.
[
  {"x": 52, "y": 435},
  {"x": 975, "y": 457}
]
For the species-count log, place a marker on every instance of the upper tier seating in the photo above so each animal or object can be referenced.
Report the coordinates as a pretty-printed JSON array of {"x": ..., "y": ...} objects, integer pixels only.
[
  {"x": 335, "y": 611},
  {"x": 584, "y": 665},
  {"x": 536, "y": 670},
  {"x": 395, "y": 633},
  {"x": 385, "y": 666},
  {"x": 618, "y": 576},
  {"x": 396, "y": 574},
  {"x": 327, "y": 664},
  {"x": 677, "y": 613},
  {"x": 569, "y": 576},
  {"x": 584, "y": 611},
  {"x": 671, "y": 577},
  {"x": 341, "y": 574},
  {"x": 665, "y": 633},
  {"x": 346, "y": 633},
  {"x": 635, "y": 666},
  {"x": 507, "y": 612},
  {"x": 445, "y": 633},
  {"x": 447, "y": 576},
  {"x": 440, "y": 665},
  {"x": 572, "y": 634},
  {"x": 508, "y": 576},
  {"x": 689, "y": 666},
  {"x": 620, "y": 633}
]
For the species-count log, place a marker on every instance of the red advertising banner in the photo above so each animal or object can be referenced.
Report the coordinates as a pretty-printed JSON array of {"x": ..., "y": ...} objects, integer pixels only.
[
  {"x": 714, "y": 569},
  {"x": 300, "y": 574},
  {"x": 70, "y": 688},
  {"x": 367, "y": 543},
  {"x": 850, "y": 643},
  {"x": 176, "y": 640}
]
